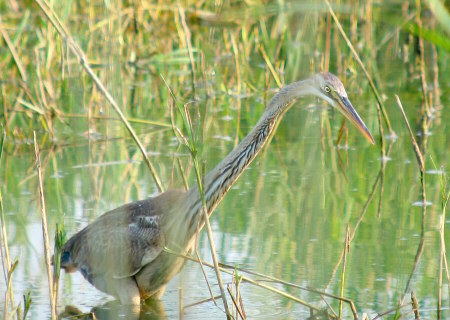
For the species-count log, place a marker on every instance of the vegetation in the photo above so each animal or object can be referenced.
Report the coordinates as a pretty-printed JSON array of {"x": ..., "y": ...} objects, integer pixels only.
[{"x": 188, "y": 80}]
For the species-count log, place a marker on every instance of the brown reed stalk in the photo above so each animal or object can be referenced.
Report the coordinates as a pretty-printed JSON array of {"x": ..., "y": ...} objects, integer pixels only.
[
  {"x": 270, "y": 66},
  {"x": 383, "y": 162},
  {"x": 180, "y": 303},
  {"x": 421, "y": 164},
  {"x": 442, "y": 262},
  {"x": 14, "y": 54},
  {"x": 435, "y": 68},
  {"x": 9, "y": 289},
  {"x": 187, "y": 35},
  {"x": 236, "y": 299},
  {"x": 90, "y": 117},
  {"x": 421, "y": 48},
  {"x": 326, "y": 67},
  {"x": 197, "y": 254},
  {"x": 45, "y": 228},
  {"x": 396, "y": 309},
  {"x": 346, "y": 251},
  {"x": 441, "y": 258},
  {"x": 8, "y": 268},
  {"x": 415, "y": 306},
  {"x": 202, "y": 301},
  {"x": 366, "y": 73},
  {"x": 235, "y": 50},
  {"x": 414, "y": 142},
  {"x": 329, "y": 306},
  {"x": 183, "y": 174},
  {"x": 445, "y": 196},
  {"x": 237, "y": 282},
  {"x": 235, "y": 303}
]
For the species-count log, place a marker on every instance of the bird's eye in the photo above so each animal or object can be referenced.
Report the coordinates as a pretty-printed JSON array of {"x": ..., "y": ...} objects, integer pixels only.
[{"x": 327, "y": 89}]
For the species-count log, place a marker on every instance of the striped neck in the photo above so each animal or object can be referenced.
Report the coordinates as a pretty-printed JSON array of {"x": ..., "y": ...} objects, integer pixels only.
[{"x": 219, "y": 180}]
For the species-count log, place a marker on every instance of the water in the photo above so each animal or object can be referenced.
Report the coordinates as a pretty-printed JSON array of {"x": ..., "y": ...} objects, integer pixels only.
[{"x": 287, "y": 215}]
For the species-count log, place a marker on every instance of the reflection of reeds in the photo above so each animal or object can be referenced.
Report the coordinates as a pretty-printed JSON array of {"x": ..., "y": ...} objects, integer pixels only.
[
  {"x": 421, "y": 245},
  {"x": 267, "y": 278},
  {"x": 246, "y": 279},
  {"x": 82, "y": 60},
  {"x": 53, "y": 295},
  {"x": 185, "y": 35},
  {"x": 361, "y": 64},
  {"x": 445, "y": 196},
  {"x": 10, "y": 311},
  {"x": 346, "y": 251},
  {"x": 420, "y": 47},
  {"x": 8, "y": 268}
]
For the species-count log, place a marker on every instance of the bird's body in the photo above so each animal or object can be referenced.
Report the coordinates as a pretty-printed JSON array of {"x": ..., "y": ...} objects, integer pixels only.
[
  {"x": 121, "y": 242},
  {"x": 121, "y": 253}
]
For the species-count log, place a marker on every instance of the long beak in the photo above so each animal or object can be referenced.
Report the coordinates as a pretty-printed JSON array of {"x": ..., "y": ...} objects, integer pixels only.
[{"x": 345, "y": 106}]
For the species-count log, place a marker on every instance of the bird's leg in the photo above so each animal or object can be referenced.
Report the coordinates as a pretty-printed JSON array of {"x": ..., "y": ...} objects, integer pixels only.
[{"x": 127, "y": 291}]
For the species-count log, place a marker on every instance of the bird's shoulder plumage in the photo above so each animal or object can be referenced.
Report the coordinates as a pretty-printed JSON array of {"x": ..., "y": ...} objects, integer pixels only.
[{"x": 120, "y": 242}]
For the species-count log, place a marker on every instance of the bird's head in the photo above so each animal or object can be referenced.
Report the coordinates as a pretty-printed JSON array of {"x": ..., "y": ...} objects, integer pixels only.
[{"x": 328, "y": 87}]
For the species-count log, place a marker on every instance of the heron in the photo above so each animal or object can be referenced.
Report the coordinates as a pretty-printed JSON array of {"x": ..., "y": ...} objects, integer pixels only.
[{"x": 121, "y": 252}]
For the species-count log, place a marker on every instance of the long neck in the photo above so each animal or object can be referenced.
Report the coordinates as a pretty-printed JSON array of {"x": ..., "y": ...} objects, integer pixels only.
[{"x": 219, "y": 180}]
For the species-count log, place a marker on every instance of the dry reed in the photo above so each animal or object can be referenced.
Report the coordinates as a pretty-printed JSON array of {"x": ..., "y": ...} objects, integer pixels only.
[{"x": 53, "y": 302}]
